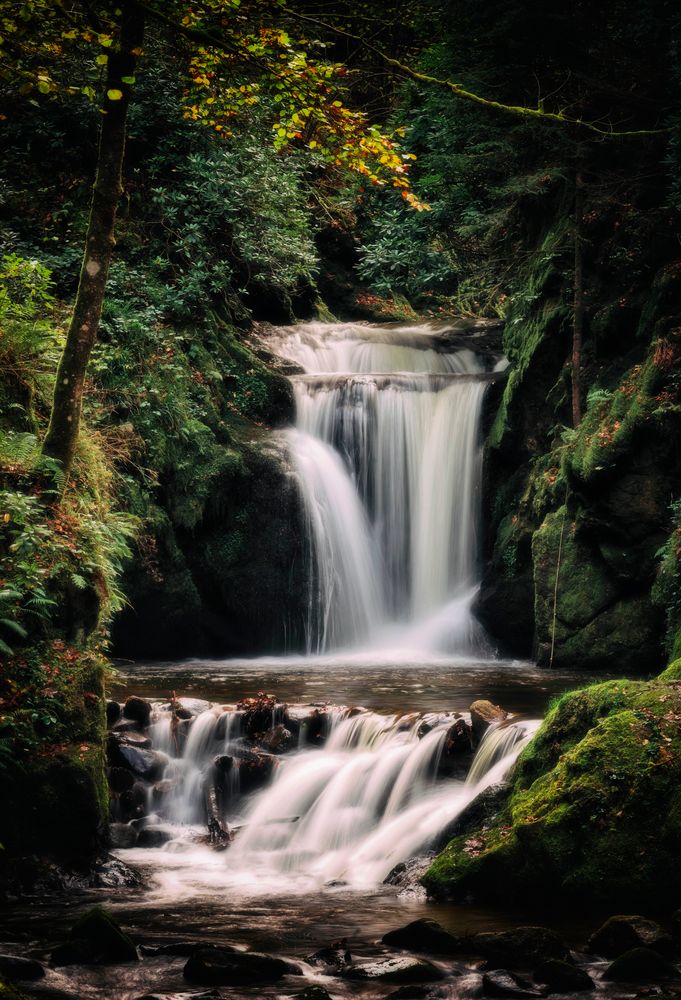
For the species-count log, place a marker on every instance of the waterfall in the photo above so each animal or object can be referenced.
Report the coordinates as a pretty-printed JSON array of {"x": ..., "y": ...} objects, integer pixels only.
[
  {"x": 387, "y": 453},
  {"x": 377, "y": 792}
]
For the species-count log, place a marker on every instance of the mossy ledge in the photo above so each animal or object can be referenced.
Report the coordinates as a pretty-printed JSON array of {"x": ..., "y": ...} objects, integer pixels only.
[{"x": 594, "y": 810}]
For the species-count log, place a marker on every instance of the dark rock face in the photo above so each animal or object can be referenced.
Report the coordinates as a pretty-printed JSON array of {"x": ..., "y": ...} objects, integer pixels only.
[
  {"x": 20, "y": 969},
  {"x": 95, "y": 938},
  {"x": 501, "y": 983},
  {"x": 640, "y": 965},
  {"x": 228, "y": 967},
  {"x": 395, "y": 970},
  {"x": 477, "y": 815},
  {"x": 424, "y": 935},
  {"x": 563, "y": 977},
  {"x": 147, "y": 764},
  {"x": 622, "y": 933}
]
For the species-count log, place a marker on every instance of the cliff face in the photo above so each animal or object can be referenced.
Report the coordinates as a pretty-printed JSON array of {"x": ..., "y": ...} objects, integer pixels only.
[{"x": 581, "y": 556}]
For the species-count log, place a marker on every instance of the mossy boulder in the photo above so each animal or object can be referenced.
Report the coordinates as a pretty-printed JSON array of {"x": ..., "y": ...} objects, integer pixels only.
[
  {"x": 96, "y": 938},
  {"x": 594, "y": 812}
]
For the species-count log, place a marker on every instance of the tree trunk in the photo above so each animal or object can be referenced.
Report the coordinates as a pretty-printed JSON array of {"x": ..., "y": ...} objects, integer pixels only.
[
  {"x": 62, "y": 433},
  {"x": 578, "y": 303}
]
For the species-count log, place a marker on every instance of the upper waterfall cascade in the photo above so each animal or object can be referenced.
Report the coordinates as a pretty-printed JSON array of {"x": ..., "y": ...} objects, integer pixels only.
[{"x": 387, "y": 452}]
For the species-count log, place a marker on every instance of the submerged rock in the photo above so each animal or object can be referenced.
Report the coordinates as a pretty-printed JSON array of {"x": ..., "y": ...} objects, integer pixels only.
[
  {"x": 622, "y": 933},
  {"x": 501, "y": 983},
  {"x": 19, "y": 969},
  {"x": 395, "y": 970},
  {"x": 225, "y": 966},
  {"x": 334, "y": 958},
  {"x": 155, "y": 836},
  {"x": 563, "y": 977},
  {"x": 423, "y": 935},
  {"x": 640, "y": 965}
]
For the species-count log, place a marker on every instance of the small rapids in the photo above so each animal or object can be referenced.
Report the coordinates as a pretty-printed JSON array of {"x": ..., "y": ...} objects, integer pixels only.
[{"x": 370, "y": 792}]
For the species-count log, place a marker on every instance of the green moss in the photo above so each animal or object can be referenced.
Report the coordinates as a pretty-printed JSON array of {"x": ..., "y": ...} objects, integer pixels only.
[
  {"x": 595, "y": 810},
  {"x": 10, "y": 992}
]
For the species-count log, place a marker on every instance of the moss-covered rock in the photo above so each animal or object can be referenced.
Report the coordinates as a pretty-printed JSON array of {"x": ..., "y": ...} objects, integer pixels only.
[{"x": 595, "y": 810}]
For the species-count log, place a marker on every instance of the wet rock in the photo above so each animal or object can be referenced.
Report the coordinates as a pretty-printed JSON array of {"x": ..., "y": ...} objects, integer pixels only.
[
  {"x": 133, "y": 738},
  {"x": 228, "y": 967},
  {"x": 483, "y": 714},
  {"x": 20, "y": 969},
  {"x": 138, "y": 710},
  {"x": 312, "y": 993},
  {"x": 162, "y": 789},
  {"x": 113, "y": 713},
  {"x": 395, "y": 970},
  {"x": 260, "y": 714},
  {"x": 522, "y": 946},
  {"x": 255, "y": 768},
  {"x": 622, "y": 933},
  {"x": 132, "y": 805},
  {"x": 147, "y": 764},
  {"x": 407, "y": 874},
  {"x": 115, "y": 874},
  {"x": 563, "y": 977},
  {"x": 204, "y": 995},
  {"x": 423, "y": 935},
  {"x": 501, "y": 983},
  {"x": 457, "y": 750},
  {"x": 334, "y": 958},
  {"x": 478, "y": 815},
  {"x": 95, "y": 938},
  {"x": 278, "y": 740},
  {"x": 195, "y": 706},
  {"x": 314, "y": 727},
  {"x": 154, "y": 836},
  {"x": 640, "y": 965},
  {"x": 220, "y": 731}
]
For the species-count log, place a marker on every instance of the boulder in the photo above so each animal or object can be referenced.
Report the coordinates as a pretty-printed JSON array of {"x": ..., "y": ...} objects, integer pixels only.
[
  {"x": 312, "y": 993},
  {"x": 478, "y": 814},
  {"x": 138, "y": 710},
  {"x": 278, "y": 740},
  {"x": 457, "y": 751},
  {"x": 483, "y": 714},
  {"x": 640, "y": 965},
  {"x": 227, "y": 967},
  {"x": 120, "y": 780},
  {"x": 562, "y": 977},
  {"x": 20, "y": 969},
  {"x": 154, "y": 836},
  {"x": 622, "y": 933},
  {"x": 501, "y": 983},
  {"x": 112, "y": 873},
  {"x": 521, "y": 946},
  {"x": 423, "y": 935},
  {"x": 255, "y": 768},
  {"x": 145, "y": 763},
  {"x": 412, "y": 992},
  {"x": 96, "y": 938},
  {"x": 395, "y": 970}
]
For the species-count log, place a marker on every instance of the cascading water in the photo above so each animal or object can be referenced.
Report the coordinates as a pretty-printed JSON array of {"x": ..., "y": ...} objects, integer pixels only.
[
  {"x": 387, "y": 452},
  {"x": 379, "y": 791}
]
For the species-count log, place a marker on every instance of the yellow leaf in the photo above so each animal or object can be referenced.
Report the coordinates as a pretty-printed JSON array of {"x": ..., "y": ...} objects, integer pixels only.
[{"x": 114, "y": 94}]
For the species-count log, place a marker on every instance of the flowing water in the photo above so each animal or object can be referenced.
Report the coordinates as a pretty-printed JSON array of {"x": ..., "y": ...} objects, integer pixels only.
[{"x": 387, "y": 453}]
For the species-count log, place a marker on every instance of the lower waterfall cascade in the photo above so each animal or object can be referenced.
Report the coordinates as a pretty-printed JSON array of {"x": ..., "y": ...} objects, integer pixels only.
[
  {"x": 387, "y": 453},
  {"x": 374, "y": 794}
]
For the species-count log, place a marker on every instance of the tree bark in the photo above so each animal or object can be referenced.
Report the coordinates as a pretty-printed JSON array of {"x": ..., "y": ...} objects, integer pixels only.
[
  {"x": 578, "y": 303},
  {"x": 62, "y": 432}
]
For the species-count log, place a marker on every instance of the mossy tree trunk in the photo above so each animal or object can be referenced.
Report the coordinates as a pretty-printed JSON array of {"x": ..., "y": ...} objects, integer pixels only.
[
  {"x": 578, "y": 302},
  {"x": 62, "y": 433}
]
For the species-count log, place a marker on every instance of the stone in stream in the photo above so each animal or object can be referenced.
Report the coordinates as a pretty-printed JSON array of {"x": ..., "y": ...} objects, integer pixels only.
[
  {"x": 457, "y": 751},
  {"x": 225, "y": 966},
  {"x": 334, "y": 959},
  {"x": 622, "y": 933},
  {"x": 478, "y": 814},
  {"x": 483, "y": 714},
  {"x": 113, "y": 713},
  {"x": 562, "y": 977},
  {"x": 423, "y": 935},
  {"x": 18, "y": 969},
  {"x": 312, "y": 993},
  {"x": 521, "y": 946},
  {"x": 395, "y": 970},
  {"x": 155, "y": 836},
  {"x": 120, "y": 779},
  {"x": 147, "y": 764},
  {"x": 501, "y": 983},
  {"x": 255, "y": 768},
  {"x": 138, "y": 710},
  {"x": 96, "y": 938},
  {"x": 640, "y": 965},
  {"x": 204, "y": 995},
  {"x": 280, "y": 739}
]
